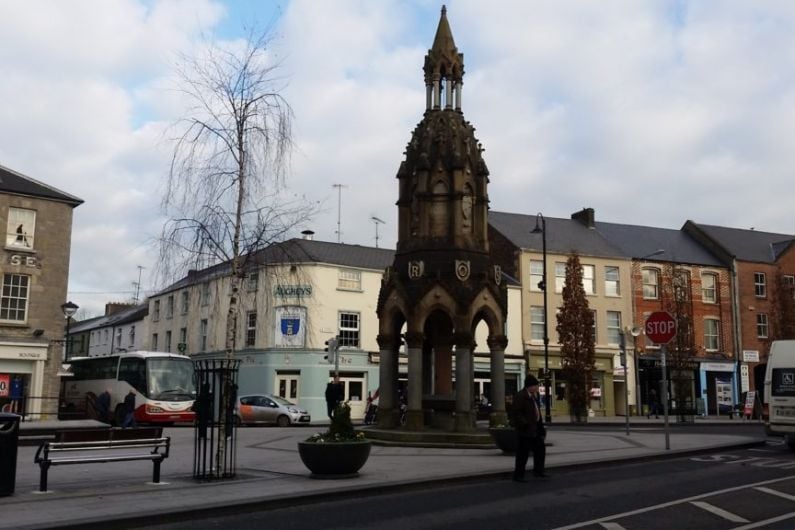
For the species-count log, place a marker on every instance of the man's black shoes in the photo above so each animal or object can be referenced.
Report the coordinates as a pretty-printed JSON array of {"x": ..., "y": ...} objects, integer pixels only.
[{"x": 541, "y": 475}]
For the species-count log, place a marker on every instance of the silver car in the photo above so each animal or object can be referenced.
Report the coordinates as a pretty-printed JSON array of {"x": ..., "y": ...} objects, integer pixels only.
[{"x": 267, "y": 408}]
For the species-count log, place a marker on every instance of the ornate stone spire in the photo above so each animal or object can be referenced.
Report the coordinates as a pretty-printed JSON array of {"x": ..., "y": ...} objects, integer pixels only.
[{"x": 444, "y": 69}]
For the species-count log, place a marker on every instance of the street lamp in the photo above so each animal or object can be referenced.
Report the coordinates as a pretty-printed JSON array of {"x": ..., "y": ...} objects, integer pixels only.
[
  {"x": 541, "y": 228},
  {"x": 634, "y": 331},
  {"x": 69, "y": 309}
]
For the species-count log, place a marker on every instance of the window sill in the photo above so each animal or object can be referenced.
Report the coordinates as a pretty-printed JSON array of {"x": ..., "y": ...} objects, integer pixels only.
[
  {"x": 27, "y": 250},
  {"x": 350, "y": 290}
]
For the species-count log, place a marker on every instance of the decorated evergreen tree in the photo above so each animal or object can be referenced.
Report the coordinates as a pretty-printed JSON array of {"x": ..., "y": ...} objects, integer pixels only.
[{"x": 575, "y": 328}]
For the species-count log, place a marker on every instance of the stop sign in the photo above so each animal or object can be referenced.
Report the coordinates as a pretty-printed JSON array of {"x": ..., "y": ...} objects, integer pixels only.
[{"x": 660, "y": 327}]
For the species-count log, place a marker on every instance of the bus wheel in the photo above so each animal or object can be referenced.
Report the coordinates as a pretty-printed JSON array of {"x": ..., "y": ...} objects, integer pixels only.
[
  {"x": 118, "y": 415},
  {"x": 790, "y": 442},
  {"x": 283, "y": 421}
]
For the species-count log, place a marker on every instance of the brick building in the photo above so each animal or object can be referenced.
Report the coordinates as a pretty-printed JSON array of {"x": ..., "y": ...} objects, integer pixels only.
[
  {"x": 763, "y": 269},
  {"x": 35, "y": 271}
]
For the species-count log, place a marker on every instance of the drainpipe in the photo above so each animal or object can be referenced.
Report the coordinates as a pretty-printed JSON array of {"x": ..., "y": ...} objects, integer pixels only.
[{"x": 737, "y": 327}]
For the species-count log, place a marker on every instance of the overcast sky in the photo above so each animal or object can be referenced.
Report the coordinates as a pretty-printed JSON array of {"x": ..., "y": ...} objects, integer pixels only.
[{"x": 650, "y": 112}]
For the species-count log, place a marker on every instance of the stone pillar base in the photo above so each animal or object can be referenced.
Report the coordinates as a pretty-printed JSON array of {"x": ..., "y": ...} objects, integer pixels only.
[
  {"x": 464, "y": 421},
  {"x": 498, "y": 418},
  {"x": 415, "y": 420},
  {"x": 387, "y": 418}
]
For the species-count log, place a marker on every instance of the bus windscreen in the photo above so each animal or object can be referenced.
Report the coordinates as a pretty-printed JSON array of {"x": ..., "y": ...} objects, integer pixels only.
[{"x": 170, "y": 379}]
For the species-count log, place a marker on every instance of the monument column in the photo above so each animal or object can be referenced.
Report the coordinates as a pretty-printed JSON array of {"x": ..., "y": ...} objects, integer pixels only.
[
  {"x": 463, "y": 383},
  {"x": 387, "y": 376},
  {"x": 414, "y": 416},
  {"x": 497, "y": 345}
]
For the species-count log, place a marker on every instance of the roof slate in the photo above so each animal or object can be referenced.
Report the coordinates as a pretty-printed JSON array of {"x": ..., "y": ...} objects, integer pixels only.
[
  {"x": 748, "y": 245},
  {"x": 299, "y": 251},
  {"x": 16, "y": 183},
  {"x": 563, "y": 235},
  {"x": 604, "y": 240}
]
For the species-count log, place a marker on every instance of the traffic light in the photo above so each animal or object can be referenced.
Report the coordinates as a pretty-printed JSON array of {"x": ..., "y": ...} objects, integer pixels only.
[{"x": 331, "y": 350}]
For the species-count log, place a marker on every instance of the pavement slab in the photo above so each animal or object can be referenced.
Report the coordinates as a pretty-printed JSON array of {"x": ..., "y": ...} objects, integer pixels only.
[{"x": 270, "y": 473}]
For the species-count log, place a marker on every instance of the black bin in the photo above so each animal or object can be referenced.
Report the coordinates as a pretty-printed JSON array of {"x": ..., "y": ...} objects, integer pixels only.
[{"x": 9, "y": 439}]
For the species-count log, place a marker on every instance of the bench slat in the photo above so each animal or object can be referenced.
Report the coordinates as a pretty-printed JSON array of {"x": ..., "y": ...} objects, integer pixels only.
[{"x": 121, "y": 458}]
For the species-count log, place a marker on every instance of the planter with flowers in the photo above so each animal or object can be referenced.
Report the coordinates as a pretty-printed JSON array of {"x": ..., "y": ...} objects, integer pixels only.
[
  {"x": 339, "y": 452},
  {"x": 504, "y": 437}
]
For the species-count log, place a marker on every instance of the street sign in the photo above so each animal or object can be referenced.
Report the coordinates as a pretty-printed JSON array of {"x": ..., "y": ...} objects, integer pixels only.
[{"x": 660, "y": 327}]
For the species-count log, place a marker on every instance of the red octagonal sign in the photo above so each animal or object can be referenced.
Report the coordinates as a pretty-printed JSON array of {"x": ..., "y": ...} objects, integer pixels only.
[{"x": 660, "y": 327}]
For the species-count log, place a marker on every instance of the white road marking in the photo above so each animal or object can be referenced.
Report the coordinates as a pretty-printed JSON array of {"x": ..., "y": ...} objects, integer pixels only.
[
  {"x": 760, "y": 524},
  {"x": 612, "y": 526},
  {"x": 762, "y": 450},
  {"x": 777, "y": 493},
  {"x": 720, "y": 512},
  {"x": 674, "y": 503}
]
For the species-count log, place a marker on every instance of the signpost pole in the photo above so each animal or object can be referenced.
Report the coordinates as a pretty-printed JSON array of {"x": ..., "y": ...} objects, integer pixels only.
[
  {"x": 661, "y": 329},
  {"x": 665, "y": 397}
]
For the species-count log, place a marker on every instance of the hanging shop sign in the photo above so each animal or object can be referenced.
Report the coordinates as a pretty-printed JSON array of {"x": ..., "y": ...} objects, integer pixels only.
[{"x": 290, "y": 326}]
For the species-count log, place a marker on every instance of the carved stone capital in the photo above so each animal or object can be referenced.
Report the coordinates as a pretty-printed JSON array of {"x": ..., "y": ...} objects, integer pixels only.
[
  {"x": 387, "y": 342},
  {"x": 497, "y": 342},
  {"x": 414, "y": 339},
  {"x": 464, "y": 340}
]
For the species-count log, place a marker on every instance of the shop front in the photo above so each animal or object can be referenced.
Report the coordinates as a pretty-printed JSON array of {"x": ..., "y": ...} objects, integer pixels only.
[
  {"x": 22, "y": 368},
  {"x": 681, "y": 385},
  {"x": 600, "y": 392},
  {"x": 717, "y": 388}
]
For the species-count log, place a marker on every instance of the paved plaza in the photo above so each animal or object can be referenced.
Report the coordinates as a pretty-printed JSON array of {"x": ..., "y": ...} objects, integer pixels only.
[{"x": 270, "y": 472}]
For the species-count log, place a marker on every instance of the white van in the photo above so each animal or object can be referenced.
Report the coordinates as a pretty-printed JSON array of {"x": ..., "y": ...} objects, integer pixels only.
[{"x": 780, "y": 390}]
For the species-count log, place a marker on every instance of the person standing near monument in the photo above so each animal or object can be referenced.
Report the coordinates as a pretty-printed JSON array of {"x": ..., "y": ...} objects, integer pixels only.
[
  {"x": 335, "y": 393},
  {"x": 530, "y": 431}
]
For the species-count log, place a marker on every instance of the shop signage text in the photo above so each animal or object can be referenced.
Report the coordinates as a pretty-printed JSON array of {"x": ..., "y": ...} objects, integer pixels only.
[
  {"x": 293, "y": 291},
  {"x": 27, "y": 261}
]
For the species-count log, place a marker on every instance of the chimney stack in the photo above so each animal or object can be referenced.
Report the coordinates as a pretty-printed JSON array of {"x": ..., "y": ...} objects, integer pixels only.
[{"x": 586, "y": 216}]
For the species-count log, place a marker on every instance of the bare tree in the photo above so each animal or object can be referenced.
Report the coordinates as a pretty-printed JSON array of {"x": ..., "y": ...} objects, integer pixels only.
[
  {"x": 783, "y": 309},
  {"x": 225, "y": 196},
  {"x": 575, "y": 327},
  {"x": 677, "y": 299}
]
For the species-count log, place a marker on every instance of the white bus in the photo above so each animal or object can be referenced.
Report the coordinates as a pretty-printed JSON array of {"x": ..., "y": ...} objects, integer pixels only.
[
  {"x": 780, "y": 390},
  {"x": 163, "y": 382}
]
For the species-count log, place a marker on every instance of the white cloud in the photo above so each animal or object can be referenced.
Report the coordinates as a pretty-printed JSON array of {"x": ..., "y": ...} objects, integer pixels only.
[{"x": 650, "y": 112}]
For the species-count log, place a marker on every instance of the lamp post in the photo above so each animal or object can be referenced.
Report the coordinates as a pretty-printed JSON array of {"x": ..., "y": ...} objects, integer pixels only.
[
  {"x": 69, "y": 309},
  {"x": 634, "y": 331},
  {"x": 541, "y": 227}
]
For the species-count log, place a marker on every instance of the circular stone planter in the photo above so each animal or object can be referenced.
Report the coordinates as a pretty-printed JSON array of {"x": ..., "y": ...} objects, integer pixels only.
[
  {"x": 505, "y": 439},
  {"x": 334, "y": 459}
]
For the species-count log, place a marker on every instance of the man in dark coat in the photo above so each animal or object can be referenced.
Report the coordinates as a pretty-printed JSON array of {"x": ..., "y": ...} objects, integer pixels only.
[
  {"x": 530, "y": 431},
  {"x": 335, "y": 393},
  {"x": 103, "y": 406},
  {"x": 129, "y": 410}
]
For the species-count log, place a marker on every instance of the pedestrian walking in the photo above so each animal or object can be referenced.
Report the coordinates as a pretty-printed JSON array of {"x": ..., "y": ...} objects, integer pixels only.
[
  {"x": 530, "y": 431},
  {"x": 103, "y": 406},
  {"x": 129, "y": 410},
  {"x": 335, "y": 393},
  {"x": 654, "y": 404}
]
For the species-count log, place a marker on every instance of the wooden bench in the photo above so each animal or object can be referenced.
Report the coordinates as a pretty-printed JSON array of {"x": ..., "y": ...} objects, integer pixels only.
[{"x": 103, "y": 445}]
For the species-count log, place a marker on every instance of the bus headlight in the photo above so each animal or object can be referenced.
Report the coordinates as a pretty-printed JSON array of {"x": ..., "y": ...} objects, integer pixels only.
[{"x": 152, "y": 409}]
